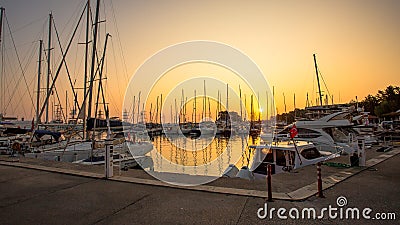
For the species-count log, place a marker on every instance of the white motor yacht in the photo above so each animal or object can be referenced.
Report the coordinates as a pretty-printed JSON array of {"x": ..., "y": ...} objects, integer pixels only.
[
  {"x": 326, "y": 133},
  {"x": 283, "y": 156}
]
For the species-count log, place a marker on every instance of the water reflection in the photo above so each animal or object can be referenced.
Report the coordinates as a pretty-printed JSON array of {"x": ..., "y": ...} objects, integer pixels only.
[{"x": 206, "y": 156}]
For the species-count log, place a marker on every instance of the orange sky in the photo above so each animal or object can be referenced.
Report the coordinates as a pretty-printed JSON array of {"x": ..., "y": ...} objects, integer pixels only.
[{"x": 356, "y": 42}]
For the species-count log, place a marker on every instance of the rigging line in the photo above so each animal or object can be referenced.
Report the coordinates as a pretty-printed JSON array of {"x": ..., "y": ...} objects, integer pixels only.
[
  {"x": 33, "y": 51},
  {"x": 116, "y": 68},
  {"x": 74, "y": 14},
  {"x": 27, "y": 25},
  {"x": 30, "y": 57},
  {"x": 21, "y": 45},
  {"x": 59, "y": 102},
  {"x": 76, "y": 64},
  {"x": 60, "y": 66},
  {"x": 324, "y": 83},
  {"x": 65, "y": 62},
  {"x": 119, "y": 42},
  {"x": 19, "y": 61},
  {"x": 105, "y": 15},
  {"x": 58, "y": 97}
]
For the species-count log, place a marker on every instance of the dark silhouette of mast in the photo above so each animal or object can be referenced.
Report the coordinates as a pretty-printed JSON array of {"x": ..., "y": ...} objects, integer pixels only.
[
  {"x": 319, "y": 86},
  {"x": 92, "y": 71},
  {"x": 48, "y": 65},
  {"x": 38, "y": 84}
]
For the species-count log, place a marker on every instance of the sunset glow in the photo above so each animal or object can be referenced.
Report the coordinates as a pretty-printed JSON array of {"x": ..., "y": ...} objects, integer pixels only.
[{"x": 356, "y": 44}]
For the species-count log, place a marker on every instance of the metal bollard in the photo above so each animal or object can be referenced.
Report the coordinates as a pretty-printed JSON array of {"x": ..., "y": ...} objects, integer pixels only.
[
  {"x": 269, "y": 183},
  {"x": 319, "y": 180}
]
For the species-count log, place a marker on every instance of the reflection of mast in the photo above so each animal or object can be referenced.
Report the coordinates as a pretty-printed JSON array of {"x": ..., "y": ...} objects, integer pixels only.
[
  {"x": 195, "y": 156},
  {"x": 219, "y": 154}
]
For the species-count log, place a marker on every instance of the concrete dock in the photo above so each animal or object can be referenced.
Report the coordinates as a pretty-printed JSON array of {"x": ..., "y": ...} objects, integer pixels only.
[{"x": 44, "y": 192}]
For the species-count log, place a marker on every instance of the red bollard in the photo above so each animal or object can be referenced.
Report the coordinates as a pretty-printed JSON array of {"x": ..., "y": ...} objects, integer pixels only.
[
  {"x": 319, "y": 180},
  {"x": 269, "y": 183}
]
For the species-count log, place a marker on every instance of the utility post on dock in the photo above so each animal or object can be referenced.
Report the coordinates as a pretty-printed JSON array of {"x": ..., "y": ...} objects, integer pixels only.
[
  {"x": 108, "y": 160},
  {"x": 361, "y": 151}
]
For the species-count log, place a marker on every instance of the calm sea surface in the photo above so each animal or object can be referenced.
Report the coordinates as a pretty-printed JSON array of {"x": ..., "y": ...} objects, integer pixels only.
[{"x": 205, "y": 156}]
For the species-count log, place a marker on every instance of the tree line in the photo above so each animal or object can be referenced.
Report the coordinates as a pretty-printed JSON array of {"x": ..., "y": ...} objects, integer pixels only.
[{"x": 385, "y": 101}]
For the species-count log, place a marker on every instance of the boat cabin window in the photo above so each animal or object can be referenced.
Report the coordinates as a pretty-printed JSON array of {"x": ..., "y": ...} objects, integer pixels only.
[
  {"x": 307, "y": 133},
  {"x": 310, "y": 153},
  {"x": 338, "y": 135}
]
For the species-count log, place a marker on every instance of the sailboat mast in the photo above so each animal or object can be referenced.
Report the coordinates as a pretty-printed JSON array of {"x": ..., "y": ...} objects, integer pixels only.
[
  {"x": 38, "y": 82},
  {"x": 251, "y": 113},
  {"x": 160, "y": 108},
  {"x": 176, "y": 112},
  {"x": 138, "y": 108},
  {"x": 1, "y": 22},
  {"x": 92, "y": 72},
  {"x": 157, "y": 111},
  {"x": 227, "y": 105},
  {"x": 294, "y": 105},
  {"x": 86, "y": 67},
  {"x": 319, "y": 86},
  {"x": 2, "y": 97},
  {"x": 66, "y": 106},
  {"x": 240, "y": 96},
  {"x": 259, "y": 109},
  {"x": 133, "y": 110},
  {"x": 48, "y": 65},
  {"x": 266, "y": 108},
  {"x": 194, "y": 108},
  {"x": 209, "y": 108},
  {"x": 204, "y": 100},
  {"x": 245, "y": 108}
]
